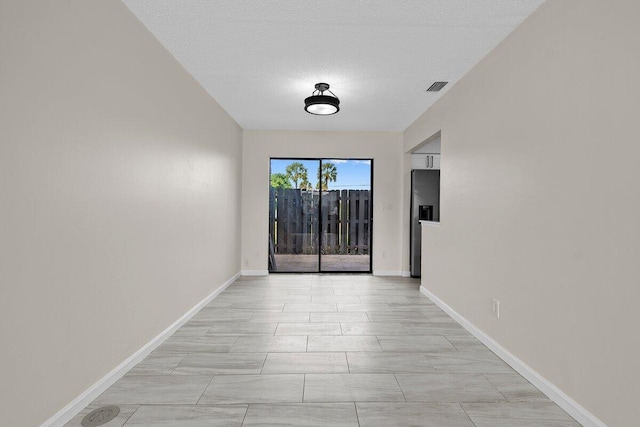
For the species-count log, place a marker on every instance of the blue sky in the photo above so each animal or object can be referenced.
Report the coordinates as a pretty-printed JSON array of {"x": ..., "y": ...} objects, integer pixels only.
[{"x": 352, "y": 174}]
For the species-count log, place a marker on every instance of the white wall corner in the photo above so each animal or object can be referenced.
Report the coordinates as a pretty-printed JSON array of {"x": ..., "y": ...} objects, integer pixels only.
[
  {"x": 573, "y": 408},
  {"x": 89, "y": 395}
]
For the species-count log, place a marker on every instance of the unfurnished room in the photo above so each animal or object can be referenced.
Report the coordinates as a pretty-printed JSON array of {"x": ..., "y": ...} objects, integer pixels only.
[{"x": 301, "y": 213}]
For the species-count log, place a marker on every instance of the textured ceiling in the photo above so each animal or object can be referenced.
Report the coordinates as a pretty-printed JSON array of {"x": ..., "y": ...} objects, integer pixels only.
[{"x": 260, "y": 59}]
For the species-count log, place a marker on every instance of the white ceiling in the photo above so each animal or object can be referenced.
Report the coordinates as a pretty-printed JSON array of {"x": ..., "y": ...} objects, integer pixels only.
[{"x": 260, "y": 59}]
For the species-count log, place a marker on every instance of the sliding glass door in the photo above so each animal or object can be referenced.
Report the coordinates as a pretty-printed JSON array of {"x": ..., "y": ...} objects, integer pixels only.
[
  {"x": 294, "y": 238},
  {"x": 320, "y": 215},
  {"x": 345, "y": 215}
]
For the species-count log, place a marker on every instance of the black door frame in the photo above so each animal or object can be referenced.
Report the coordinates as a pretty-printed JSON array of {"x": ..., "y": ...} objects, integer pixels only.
[{"x": 371, "y": 197}]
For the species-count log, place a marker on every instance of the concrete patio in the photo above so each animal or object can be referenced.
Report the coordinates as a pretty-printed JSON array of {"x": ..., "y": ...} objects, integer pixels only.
[{"x": 309, "y": 263}]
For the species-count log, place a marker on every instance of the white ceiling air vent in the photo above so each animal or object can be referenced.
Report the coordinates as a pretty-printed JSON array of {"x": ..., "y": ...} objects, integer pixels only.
[{"x": 436, "y": 86}]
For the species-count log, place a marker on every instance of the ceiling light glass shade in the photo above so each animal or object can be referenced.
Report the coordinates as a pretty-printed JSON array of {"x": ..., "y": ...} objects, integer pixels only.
[{"x": 320, "y": 104}]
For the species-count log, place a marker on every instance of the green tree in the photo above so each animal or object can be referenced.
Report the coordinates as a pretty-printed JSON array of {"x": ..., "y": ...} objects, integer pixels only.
[
  {"x": 296, "y": 173},
  {"x": 326, "y": 174},
  {"x": 280, "y": 180}
]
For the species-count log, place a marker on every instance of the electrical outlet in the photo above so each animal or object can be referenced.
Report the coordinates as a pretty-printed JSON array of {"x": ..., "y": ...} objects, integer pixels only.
[
  {"x": 495, "y": 307},
  {"x": 246, "y": 262},
  {"x": 384, "y": 254}
]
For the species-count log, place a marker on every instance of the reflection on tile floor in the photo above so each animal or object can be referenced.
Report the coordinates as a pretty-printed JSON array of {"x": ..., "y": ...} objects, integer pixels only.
[{"x": 325, "y": 350}]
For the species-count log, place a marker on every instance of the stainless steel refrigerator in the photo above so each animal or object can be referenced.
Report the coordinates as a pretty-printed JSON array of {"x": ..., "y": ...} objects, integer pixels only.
[{"x": 425, "y": 204}]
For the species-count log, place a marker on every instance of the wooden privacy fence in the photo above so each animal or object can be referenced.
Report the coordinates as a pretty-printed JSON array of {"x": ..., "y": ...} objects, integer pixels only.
[{"x": 345, "y": 220}]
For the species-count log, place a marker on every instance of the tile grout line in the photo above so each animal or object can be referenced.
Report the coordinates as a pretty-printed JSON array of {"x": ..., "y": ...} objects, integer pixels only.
[
  {"x": 484, "y": 375},
  {"x": 379, "y": 343},
  {"x": 129, "y": 417},
  {"x": 454, "y": 346},
  {"x": 435, "y": 370},
  {"x": 179, "y": 363},
  {"x": 357, "y": 416},
  {"x": 400, "y": 387},
  {"x": 465, "y": 412},
  {"x": 205, "y": 390},
  {"x": 264, "y": 362},
  {"x": 246, "y": 411}
]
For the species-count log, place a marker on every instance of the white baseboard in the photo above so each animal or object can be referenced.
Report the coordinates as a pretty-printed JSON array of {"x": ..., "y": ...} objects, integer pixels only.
[
  {"x": 386, "y": 272},
  {"x": 255, "y": 272},
  {"x": 406, "y": 273},
  {"x": 573, "y": 408},
  {"x": 89, "y": 395}
]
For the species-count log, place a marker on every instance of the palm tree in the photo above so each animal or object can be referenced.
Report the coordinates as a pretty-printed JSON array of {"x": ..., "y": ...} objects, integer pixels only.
[
  {"x": 296, "y": 172},
  {"x": 326, "y": 174},
  {"x": 306, "y": 185}
]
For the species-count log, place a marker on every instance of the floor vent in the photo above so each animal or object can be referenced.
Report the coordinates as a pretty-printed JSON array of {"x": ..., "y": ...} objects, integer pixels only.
[
  {"x": 100, "y": 416},
  {"x": 436, "y": 86}
]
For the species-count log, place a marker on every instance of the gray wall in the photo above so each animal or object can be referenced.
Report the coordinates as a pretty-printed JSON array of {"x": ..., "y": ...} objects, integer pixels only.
[
  {"x": 119, "y": 197},
  {"x": 536, "y": 211}
]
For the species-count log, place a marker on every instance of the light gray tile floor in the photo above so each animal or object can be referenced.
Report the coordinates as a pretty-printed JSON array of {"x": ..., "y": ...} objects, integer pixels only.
[
  {"x": 367, "y": 328},
  {"x": 412, "y": 414},
  {"x": 305, "y": 363},
  {"x": 344, "y": 343},
  {"x": 340, "y": 317},
  {"x": 308, "y": 329},
  {"x": 388, "y": 363},
  {"x": 325, "y": 350},
  {"x": 416, "y": 343},
  {"x": 221, "y": 364},
  {"x": 305, "y": 414},
  {"x": 188, "y": 416},
  {"x": 352, "y": 388},
  {"x": 274, "y": 388}
]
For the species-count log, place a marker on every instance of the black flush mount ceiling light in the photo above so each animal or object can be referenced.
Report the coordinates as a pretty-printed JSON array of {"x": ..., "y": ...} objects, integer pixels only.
[{"x": 320, "y": 104}]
